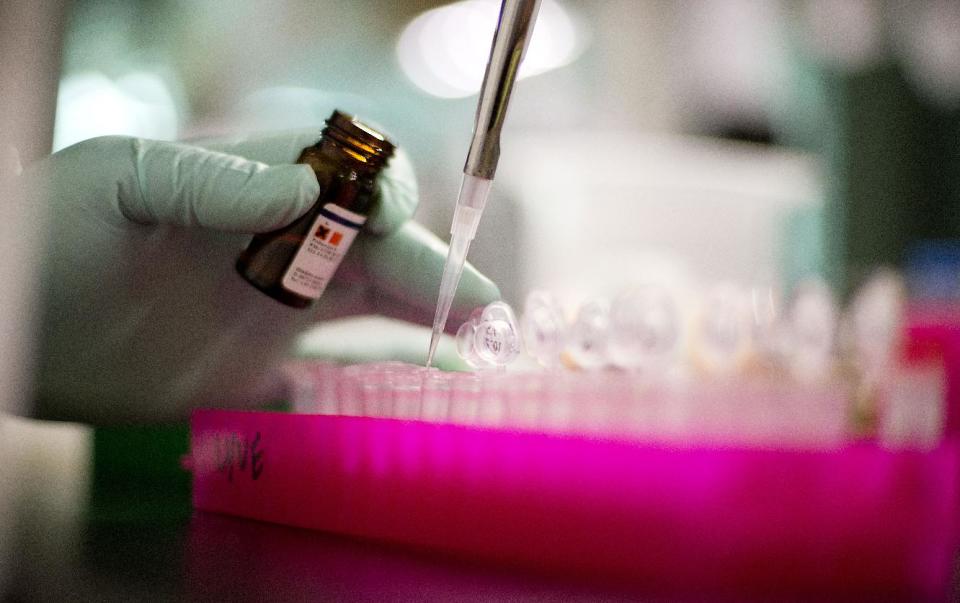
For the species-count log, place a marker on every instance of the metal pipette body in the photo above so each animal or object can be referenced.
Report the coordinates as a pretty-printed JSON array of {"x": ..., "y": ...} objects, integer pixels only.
[{"x": 510, "y": 40}]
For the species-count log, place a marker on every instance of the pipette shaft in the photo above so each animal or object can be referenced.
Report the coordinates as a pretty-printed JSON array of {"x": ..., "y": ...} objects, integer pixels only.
[{"x": 510, "y": 41}]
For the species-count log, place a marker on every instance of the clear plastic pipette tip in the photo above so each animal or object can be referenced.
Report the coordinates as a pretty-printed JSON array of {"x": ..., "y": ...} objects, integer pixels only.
[
  {"x": 473, "y": 196},
  {"x": 448, "y": 289}
]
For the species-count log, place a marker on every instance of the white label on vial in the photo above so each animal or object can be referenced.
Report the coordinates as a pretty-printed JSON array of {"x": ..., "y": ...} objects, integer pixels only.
[{"x": 326, "y": 243}]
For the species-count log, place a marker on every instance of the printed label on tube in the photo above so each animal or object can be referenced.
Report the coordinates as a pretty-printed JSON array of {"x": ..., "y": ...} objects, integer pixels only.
[{"x": 329, "y": 238}]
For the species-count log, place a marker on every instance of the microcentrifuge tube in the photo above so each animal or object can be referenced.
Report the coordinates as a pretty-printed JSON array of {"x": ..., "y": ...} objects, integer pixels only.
[
  {"x": 722, "y": 334},
  {"x": 491, "y": 337},
  {"x": 544, "y": 328},
  {"x": 349, "y": 391},
  {"x": 493, "y": 395},
  {"x": 875, "y": 321},
  {"x": 586, "y": 344},
  {"x": 767, "y": 328},
  {"x": 498, "y": 310},
  {"x": 375, "y": 394},
  {"x": 435, "y": 398},
  {"x": 465, "y": 396},
  {"x": 523, "y": 397},
  {"x": 466, "y": 344},
  {"x": 813, "y": 327},
  {"x": 407, "y": 388},
  {"x": 644, "y": 328},
  {"x": 497, "y": 341}
]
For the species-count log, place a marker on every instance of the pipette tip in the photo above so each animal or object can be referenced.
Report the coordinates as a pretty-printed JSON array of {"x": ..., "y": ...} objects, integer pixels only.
[
  {"x": 434, "y": 340},
  {"x": 440, "y": 319},
  {"x": 473, "y": 196}
]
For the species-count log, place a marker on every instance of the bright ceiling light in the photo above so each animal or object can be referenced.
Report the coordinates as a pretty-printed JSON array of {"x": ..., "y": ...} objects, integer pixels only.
[{"x": 444, "y": 51}]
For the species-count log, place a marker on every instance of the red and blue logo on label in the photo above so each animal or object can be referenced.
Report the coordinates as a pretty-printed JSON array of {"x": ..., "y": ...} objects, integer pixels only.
[{"x": 327, "y": 234}]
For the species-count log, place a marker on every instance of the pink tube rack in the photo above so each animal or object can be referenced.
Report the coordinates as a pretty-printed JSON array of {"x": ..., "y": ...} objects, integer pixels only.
[{"x": 843, "y": 521}]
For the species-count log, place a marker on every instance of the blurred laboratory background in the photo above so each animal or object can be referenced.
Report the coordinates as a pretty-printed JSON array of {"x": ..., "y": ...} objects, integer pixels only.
[
  {"x": 733, "y": 140},
  {"x": 752, "y": 141}
]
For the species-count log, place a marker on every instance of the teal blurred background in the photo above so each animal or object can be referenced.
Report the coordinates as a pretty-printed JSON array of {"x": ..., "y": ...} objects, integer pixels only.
[{"x": 865, "y": 93}]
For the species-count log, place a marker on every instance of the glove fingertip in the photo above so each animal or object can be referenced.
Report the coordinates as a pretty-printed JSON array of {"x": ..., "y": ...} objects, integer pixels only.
[
  {"x": 309, "y": 187},
  {"x": 396, "y": 196},
  {"x": 290, "y": 190},
  {"x": 475, "y": 290},
  {"x": 395, "y": 205}
]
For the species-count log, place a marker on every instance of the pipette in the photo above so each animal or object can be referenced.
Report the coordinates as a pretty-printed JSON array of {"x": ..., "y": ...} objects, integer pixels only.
[{"x": 509, "y": 44}]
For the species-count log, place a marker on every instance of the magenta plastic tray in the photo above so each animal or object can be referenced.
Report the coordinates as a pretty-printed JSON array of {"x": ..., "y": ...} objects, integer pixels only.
[{"x": 856, "y": 522}]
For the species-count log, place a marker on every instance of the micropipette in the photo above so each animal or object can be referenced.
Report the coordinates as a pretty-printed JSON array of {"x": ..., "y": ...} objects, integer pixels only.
[{"x": 509, "y": 44}]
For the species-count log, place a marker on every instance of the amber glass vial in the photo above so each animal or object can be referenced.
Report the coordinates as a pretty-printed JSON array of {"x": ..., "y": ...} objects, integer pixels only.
[{"x": 294, "y": 264}]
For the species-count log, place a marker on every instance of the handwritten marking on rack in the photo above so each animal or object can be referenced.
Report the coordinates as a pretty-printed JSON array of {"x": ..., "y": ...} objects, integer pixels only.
[{"x": 230, "y": 453}]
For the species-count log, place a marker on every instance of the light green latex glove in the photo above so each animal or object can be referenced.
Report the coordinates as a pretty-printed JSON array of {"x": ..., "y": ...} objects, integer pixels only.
[{"x": 144, "y": 316}]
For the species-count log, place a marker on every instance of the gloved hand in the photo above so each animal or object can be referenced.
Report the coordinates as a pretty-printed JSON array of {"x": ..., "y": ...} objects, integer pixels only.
[{"x": 144, "y": 316}]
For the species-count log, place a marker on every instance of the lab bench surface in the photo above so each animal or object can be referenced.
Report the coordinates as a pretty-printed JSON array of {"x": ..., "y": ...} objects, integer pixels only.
[
  {"x": 120, "y": 527},
  {"x": 213, "y": 557},
  {"x": 199, "y": 556},
  {"x": 134, "y": 536}
]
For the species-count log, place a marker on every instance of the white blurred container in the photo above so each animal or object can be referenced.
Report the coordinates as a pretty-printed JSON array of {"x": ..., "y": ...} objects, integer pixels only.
[{"x": 600, "y": 210}]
